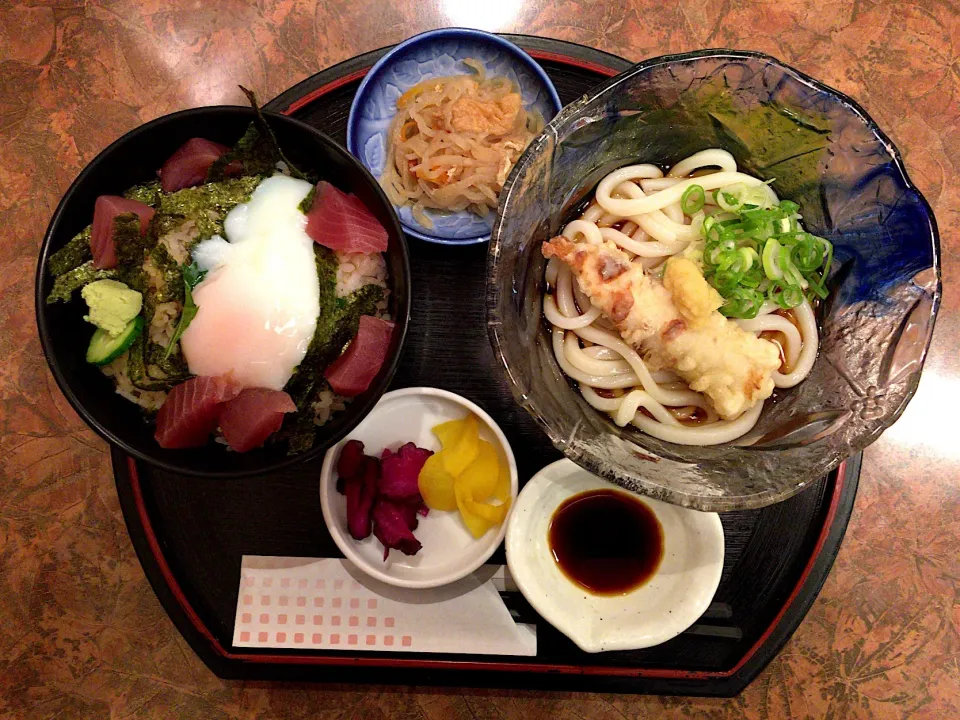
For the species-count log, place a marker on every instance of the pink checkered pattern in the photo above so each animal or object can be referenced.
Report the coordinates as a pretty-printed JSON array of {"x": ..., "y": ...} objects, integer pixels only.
[{"x": 263, "y": 616}]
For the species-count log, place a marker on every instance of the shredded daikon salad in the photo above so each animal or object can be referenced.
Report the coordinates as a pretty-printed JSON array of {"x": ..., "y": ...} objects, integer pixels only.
[{"x": 454, "y": 141}]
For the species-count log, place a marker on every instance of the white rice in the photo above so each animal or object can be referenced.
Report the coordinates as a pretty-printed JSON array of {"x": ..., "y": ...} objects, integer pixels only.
[
  {"x": 359, "y": 269},
  {"x": 147, "y": 399},
  {"x": 163, "y": 324},
  {"x": 326, "y": 404},
  {"x": 177, "y": 242}
]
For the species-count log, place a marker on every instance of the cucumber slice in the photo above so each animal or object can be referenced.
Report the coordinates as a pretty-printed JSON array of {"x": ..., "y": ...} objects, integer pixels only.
[{"x": 105, "y": 349}]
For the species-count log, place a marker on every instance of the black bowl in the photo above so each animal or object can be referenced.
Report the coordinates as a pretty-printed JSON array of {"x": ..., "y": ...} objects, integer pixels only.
[{"x": 134, "y": 159}]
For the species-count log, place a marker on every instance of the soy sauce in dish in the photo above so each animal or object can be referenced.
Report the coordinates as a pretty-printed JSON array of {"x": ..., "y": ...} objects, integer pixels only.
[{"x": 605, "y": 541}]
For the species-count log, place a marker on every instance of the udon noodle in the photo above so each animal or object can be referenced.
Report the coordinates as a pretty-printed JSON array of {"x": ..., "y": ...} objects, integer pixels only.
[
  {"x": 639, "y": 209},
  {"x": 454, "y": 141}
]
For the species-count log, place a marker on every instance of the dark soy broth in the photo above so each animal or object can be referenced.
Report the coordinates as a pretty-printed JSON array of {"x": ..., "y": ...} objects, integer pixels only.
[{"x": 606, "y": 541}]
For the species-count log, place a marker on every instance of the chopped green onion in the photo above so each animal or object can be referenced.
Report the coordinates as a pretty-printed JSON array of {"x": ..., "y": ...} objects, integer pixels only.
[
  {"x": 754, "y": 278},
  {"x": 756, "y": 250},
  {"x": 788, "y": 296},
  {"x": 726, "y": 280},
  {"x": 712, "y": 232},
  {"x": 728, "y": 201},
  {"x": 829, "y": 261},
  {"x": 790, "y": 271},
  {"x": 819, "y": 290},
  {"x": 770, "y": 253},
  {"x": 692, "y": 199},
  {"x": 807, "y": 254},
  {"x": 742, "y": 303}
]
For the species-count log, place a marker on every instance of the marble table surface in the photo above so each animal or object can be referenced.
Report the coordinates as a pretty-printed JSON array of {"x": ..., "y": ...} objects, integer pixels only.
[{"x": 82, "y": 634}]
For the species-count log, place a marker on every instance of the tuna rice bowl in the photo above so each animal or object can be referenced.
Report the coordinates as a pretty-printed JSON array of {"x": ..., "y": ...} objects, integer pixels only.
[{"x": 234, "y": 299}]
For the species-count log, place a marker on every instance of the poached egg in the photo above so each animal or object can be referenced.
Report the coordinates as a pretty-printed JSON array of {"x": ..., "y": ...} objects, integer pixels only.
[{"x": 259, "y": 302}]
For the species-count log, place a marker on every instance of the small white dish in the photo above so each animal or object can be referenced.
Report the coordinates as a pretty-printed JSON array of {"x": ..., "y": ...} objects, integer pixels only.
[
  {"x": 449, "y": 551},
  {"x": 667, "y": 604}
]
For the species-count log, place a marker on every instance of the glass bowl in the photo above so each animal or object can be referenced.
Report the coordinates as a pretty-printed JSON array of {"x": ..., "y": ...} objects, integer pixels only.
[{"x": 823, "y": 152}]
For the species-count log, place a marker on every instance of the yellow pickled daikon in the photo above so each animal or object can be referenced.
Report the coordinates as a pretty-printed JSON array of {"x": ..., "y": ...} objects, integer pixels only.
[
  {"x": 436, "y": 485},
  {"x": 477, "y": 525},
  {"x": 463, "y": 448},
  {"x": 481, "y": 475},
  {"x": 465, "y": 474}
]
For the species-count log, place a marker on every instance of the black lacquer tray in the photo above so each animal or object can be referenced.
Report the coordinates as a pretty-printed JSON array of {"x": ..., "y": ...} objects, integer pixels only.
[{"x": 190, "y": 534}]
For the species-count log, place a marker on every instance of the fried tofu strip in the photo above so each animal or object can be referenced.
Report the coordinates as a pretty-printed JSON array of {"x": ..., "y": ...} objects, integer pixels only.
[{"x": 674, "y": 323}]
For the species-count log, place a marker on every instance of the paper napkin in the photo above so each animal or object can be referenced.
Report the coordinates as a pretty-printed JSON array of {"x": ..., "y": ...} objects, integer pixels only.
[{"x": 326, "y": 603}]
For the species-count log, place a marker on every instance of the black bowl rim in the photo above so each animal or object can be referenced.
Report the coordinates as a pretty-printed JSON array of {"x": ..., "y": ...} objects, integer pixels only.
[
  {"x": 402, "y": 318},
  {"x": 494, "y": 321}
]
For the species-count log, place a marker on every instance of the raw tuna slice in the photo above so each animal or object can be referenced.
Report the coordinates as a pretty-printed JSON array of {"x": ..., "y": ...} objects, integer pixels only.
[
  {"x": 105, "y": 211},
  {"x": 343, "y": 223},
  {"x": 253, "y": 416},
  {"x": 352, "y": 372},
  {"x": 191, "y": 411},
  {"x": 189, "y": 165}
]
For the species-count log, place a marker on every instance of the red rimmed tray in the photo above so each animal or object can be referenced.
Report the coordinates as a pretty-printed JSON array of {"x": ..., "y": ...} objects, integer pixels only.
[{"x": 190, "y": 535}]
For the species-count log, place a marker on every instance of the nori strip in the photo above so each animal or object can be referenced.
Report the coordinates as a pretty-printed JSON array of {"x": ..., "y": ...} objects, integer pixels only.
[
  {"x": 130, "y": 245},
  {"x": 173, "y": 366},
  {"x": 256, "y": 157},
  {"x": 257, "y": 151},
  {"x": 347, "y": 321},
  {"x": 172, "y": 288},
  {"x": 196, "y": 203},
  {"x": 302, "y": 428},
  {"x": 72, "y": 280},
  {"x": 307, "y": 202},
  {"x": 148, "y": 193},
  {"x": 137, "y": 360},
  {"x": 301, "y": 383},
  {"x": 267, "y": 133},
  {"x": 131, "y": 248},
  {"x": 132, "y": 251},
  {"x": 137, "y": 366},
  {"x": 72, "y": 255},
  {"x": 334, "y": 331}
]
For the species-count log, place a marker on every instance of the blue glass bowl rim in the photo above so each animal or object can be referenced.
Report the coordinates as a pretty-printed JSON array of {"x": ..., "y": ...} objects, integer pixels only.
[
  {"x": 516, "y": 50},
  {"x": 495, "y": 269}
]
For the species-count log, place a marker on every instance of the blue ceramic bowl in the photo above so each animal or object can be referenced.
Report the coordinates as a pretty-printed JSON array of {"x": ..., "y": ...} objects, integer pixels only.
[
  {"x": 439, "y": 53},
  {"x": 824, "y": 152}
]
